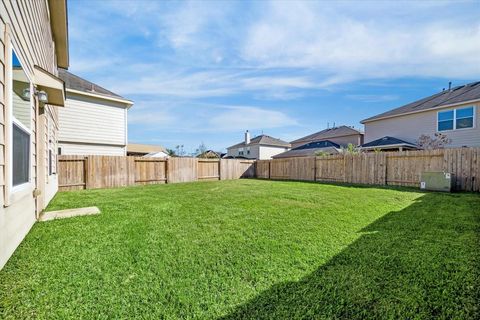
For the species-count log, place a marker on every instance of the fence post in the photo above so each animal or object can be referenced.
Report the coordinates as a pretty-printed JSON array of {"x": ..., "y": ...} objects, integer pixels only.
[
  {"x": 166, "y": 169},
  {"x": 85, "y": 172},
  {"x": 314, "y": 168},
  {"x": 269, "y": 169}
]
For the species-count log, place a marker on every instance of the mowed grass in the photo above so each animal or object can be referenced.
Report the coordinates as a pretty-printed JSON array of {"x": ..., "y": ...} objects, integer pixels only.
[{"x": 250, "y": 249}]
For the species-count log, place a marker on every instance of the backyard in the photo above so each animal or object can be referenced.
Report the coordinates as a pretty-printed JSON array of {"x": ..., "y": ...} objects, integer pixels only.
[{"x": 250, "y": 249}]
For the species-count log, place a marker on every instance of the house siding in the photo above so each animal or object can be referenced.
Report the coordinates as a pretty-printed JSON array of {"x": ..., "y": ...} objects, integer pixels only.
[
  {"x": 259, "y": 152},
  {"x": 91, "y": 125},
  {"x": 25, "y": 26},
  {"x": 80, "y": 149},
  {"x": 410, "y": 127},
  {"x": 267, "y": 152}
]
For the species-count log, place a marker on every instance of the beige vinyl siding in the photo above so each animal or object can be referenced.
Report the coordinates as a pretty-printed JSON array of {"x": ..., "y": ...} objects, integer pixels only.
[
  {"x": 267, "y": 152},
  {"x": 260, "y": 152},
  {"x": 91, "y": 149},
  {"x": 92, "y": 121},
  {"x": 28, "y": 27},
  {"x": 410, "y": 127}
]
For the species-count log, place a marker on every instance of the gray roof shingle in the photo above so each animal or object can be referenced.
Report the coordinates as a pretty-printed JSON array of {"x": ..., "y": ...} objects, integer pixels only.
[
  {"x": 74, "y": 82},
  {"x": 310, "y": 149},
  {"x": 330, "y": 133},
  {"x": 387, "y": 141},
  {"x": 263, "y": 140},
  {"x": 458, "y": 94}
]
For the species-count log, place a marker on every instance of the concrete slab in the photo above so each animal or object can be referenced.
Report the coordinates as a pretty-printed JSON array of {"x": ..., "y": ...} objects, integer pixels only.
[{"x": 68, "y": 213}]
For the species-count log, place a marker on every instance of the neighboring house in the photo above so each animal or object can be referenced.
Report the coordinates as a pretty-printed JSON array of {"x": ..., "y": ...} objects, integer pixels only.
[
  {"x": 311, "y": 149},
  {"x": 389, "y": 144},
  {"x": 210, "y": 154},
  {"x": 94, "y": 121},
  {"x": 146, "y": 150},
  {"x": 342, "y": 135},
  {"x": 261, "y": 147},
  {"x": 34, "y": 43},
  {"x": 453, "y": 112}
]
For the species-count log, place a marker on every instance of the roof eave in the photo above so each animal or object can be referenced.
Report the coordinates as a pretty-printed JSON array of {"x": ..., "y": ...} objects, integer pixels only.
[
  {"x": 372, "y": 119},
  {"x": 128, "y": 103},
  {"x": 396, "y": 145},
  {"x": 59, "y": 26}
]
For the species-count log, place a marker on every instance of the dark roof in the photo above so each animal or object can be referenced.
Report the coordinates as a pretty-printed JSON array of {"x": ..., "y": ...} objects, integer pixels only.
[
  {"x": 263, "y": 140},
  {"x": 458, "y": 94},
  {"x": 387, "y": 141},
  {"x": 318, "y": 144},
  {"x": 330, "y": 133},
  {"x": 237, "y": 157},
  {"x": 74, "y": 82},
  {"x": 310, "y": 149}
]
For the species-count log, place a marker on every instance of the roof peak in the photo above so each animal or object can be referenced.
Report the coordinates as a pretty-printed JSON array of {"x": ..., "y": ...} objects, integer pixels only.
[{"x": 447, "y": 97}]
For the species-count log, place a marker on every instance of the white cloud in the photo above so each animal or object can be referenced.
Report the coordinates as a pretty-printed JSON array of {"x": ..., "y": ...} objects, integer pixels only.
[
  {"x": 372, "y": 97},
  {"x": 312, "y": 35},
  {"x": 244, "y": 117}
]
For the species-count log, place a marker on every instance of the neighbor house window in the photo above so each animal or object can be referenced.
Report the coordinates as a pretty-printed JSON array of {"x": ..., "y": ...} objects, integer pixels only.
[
  {"x": 21, "y": 123},
  {"x": 461, "y": 118},
  {"x": 50, "y": 162}
]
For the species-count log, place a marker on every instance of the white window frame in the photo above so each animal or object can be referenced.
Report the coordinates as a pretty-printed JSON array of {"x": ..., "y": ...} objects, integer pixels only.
[
  {"x": 455, "y": 118},
  {"x": 13, "y": 120}
]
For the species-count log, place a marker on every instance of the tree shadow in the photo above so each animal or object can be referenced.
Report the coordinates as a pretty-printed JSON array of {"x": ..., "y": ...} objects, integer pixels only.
[{"x": 420, "y": 262}]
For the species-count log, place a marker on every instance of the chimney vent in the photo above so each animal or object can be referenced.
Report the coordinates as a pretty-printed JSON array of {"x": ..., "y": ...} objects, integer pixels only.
[
  {"x": 247, "y": 137},
  {"x": 450, "y": 86}
]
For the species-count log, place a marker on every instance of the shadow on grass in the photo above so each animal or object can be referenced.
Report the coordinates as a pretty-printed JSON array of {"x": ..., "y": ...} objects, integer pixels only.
[
  {"x": 420, "y": 262},
  {"x": 347, "y": 185}
]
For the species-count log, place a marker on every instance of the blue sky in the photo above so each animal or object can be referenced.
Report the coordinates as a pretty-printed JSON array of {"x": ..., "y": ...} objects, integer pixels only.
[{"x": 207, "y": 71}]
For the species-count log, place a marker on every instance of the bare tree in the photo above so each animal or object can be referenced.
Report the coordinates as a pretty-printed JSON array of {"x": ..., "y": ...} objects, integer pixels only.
[
  {"x": 438, "y": 141},
  {"x": 202, "y": 148}
]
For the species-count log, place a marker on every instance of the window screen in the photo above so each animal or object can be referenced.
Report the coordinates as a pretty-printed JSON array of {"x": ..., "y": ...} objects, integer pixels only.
[{"x": 21, "y": 155}]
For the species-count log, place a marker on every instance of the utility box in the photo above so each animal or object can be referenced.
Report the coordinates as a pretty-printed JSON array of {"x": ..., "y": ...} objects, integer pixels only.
[{"x": 437, "y": 181}]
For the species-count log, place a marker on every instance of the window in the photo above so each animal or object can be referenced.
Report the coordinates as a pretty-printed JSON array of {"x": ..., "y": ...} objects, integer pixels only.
[
  {"x": 21, "y": 155},
  {"x": 50, "y": 162},
  {"x": 461, "y": 118},
  {"x": 464, "y": 118},
  {"x": 445, "y": 120},
  {"x": 21, "y": 123}
]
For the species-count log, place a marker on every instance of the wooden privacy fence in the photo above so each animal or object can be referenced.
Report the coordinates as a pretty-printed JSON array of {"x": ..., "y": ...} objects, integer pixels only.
[
  {"x": 384, "y": 168},
  {"x": 92, "y": 172}
]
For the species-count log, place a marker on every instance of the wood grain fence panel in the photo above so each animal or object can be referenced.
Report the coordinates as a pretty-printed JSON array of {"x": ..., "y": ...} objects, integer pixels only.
[
  {"x": 71, "y": 173},
  {"x": 182, "y": 170},
  {"x": 330, "y": 168},
  {"x": 150, "y": 171},
  {"x": 208, "y": 169},
  {"x": 304, "y": 168},
  {"x": 262, "y": 169}
]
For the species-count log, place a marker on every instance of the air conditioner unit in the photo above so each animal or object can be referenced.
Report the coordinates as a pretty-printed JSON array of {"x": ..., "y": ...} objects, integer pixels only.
[{"x": 437, "y": 181}]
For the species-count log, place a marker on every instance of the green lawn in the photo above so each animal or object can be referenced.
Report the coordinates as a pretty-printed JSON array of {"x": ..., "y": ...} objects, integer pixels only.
[{"x": 250, "y": 249}]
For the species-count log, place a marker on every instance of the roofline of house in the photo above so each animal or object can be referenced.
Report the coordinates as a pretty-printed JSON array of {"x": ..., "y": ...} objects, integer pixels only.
[
  {"x": 419, "y": 111},
  {"x": 59, "y": 25},
  {"x": 329, "y": 137},
  {"x": 239, "y": 145},
  {"x": 128, "y": 103},
  {"x": 396, "y": 145}
]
